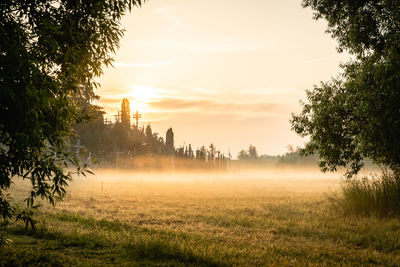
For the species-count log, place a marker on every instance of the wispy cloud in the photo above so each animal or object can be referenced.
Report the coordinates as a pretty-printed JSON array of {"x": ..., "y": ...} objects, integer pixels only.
[
  {"x": 153, "y": 44},
  {"x": 142, "y": 65},
  {"x": 251, "y": 103},
  {"x": 168, "y": 15},
  {"x": 215, "y": 107},
  {"x": 202, "y": 46},
  {"x": 200, "y": 91},
  {"x": 262, "y": 91},
  {"x": 218, "y": 47}
]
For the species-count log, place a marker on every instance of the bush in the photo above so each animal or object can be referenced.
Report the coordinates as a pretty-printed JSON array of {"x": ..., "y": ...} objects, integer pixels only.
[{"x": 376, "y": 196}]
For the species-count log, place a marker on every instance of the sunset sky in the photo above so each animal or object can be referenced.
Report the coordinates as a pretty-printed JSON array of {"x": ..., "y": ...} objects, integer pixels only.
[{"x": 226, "y": 72}]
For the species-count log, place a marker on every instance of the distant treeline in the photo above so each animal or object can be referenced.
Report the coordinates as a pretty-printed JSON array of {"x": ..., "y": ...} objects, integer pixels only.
[
  {"x": 292, "y": 157},
  {"x": 122, "y": 144}
]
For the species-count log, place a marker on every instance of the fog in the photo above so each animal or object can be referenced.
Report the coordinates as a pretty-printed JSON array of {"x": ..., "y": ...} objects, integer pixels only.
[
  {"x": 111, "y": 182},
  {"x": 235, "y": 182},
  {"x": 153, "y": 196}
]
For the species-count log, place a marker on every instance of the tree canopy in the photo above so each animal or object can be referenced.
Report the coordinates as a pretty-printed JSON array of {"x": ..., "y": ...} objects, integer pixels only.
[
  {"x": 249, "y": 154},
  {"x": 356, "y": 115},
  {"x": 50, "y": 53}
]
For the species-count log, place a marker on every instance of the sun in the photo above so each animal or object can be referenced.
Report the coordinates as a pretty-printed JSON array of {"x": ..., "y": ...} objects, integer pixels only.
[{"x": 142, "y": 95}]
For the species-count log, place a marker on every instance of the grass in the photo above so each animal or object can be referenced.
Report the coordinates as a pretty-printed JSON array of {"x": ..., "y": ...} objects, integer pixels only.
[
  {"x": 377, "y": 196},
  {"x": 201, "y": 221}
]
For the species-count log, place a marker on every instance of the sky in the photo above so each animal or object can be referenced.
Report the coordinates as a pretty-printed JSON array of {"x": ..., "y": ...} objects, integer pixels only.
[{"x": 226, "y": 72}]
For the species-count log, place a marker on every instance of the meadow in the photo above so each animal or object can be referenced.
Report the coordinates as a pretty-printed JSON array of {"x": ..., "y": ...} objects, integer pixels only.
[{"x": 276, "y": 218}]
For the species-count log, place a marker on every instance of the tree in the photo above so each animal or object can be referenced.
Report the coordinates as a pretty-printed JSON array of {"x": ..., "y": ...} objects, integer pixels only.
[
  {"x": 253, "y": 154},
  {"x": 202, "y": 153},
  {"x": 149, "y": 132},
  {"x": 357, "y": 115},
  {"x": 92, "y": 133},
  {"x": 211, "y": 152},
  {"x": 169, "y": 142},
  {"x": 50, "y": 54},
  {"x": 243, "y": 155},
  {"x": 125, "y": 113}
]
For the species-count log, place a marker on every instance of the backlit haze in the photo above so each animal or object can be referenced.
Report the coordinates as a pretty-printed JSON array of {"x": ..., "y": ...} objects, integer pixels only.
[{"x": 226, "y": 72}]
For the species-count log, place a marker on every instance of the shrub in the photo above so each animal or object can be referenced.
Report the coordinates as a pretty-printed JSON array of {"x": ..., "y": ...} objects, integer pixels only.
[{"x": 377, "y": 195}]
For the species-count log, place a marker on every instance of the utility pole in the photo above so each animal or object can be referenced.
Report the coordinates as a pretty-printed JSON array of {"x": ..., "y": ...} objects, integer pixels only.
[
  {"x": 137, "y": 116},
  {"x": 117, "y": 117},
  {"x": 229, "y": 159},
  {"x": 107, "y": 122}
]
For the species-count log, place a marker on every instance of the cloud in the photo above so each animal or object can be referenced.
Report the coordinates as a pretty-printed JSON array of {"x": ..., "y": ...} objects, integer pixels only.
[
  {"x": 203, "y": 46},
  {"x": 214, "y": 107},
  {"x": 153, "y": 44},
  {"x": 110, "y": 100},
  {"x": 261, "y": 102},
  {"x": 142, "y": 65},
  {"x": 200, "y": 91},
  {"x": 227, "y": 47},
  {"x": 168, "y": 16},
  {"x": 263, "y": 91}
]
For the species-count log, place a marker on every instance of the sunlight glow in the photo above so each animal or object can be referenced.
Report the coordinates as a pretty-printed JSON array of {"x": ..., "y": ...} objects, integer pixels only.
[
  {"x": 141, "y": 95},
  {"x": 231, "y": 72},
  {"x": 144, "y": 93}
]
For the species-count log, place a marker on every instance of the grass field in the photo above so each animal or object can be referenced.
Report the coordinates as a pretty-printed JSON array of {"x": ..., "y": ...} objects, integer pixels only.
[{"x": 236, "y": 219}]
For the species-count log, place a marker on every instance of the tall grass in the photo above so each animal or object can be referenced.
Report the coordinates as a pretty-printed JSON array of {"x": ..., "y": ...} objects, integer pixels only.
[{"x": 377, "y": 195}]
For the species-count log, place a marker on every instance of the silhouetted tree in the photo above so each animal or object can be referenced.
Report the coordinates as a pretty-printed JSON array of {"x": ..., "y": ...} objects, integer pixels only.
[
  {"x": 356, "y": 115},
  {"x": 211, "y": 152},
  {"x": 159, "y": 141},
  {"x": 92, "y": 133},
  {"x": 120, "y": 137},
  {"x": 243, "y": 155},
  {"x": 190, "y": 151},
  {"x": 50, "y": 52},
  {"x": 201, "y": 154},
  {"x": 149, "y": 132},
  {"x": 169, "y": 142},
  {"x": 125, "y": 113},
  {"x": 253, "y": 154}
]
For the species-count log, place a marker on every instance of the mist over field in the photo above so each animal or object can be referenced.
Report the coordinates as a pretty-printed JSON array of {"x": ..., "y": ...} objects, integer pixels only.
[
  {"x": 124, "y": 194},
  {"x": 195, "y": 133},
  {"x": 247, "y": 217},
  {"x": 119, "y": 182},
  {"x": 239, "y": 182}
]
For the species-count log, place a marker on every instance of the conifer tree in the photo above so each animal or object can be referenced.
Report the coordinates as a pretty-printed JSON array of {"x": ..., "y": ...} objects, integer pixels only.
[
  {"x": 125, "y": 113},
  {"x": 169, "y": 142}
]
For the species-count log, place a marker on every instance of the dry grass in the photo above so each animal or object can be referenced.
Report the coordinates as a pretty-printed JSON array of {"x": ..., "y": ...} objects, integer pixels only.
[{"x": 182, "y": 219}]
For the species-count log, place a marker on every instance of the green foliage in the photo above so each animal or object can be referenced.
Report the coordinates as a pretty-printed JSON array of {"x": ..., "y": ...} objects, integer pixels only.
[
  {"x": 6, "y": 210},
  {"x": 4, "y": 241},
  {"x": 104, "y": 141},
  {"x": 378, "y": 196},
  {"x": 26, "y": 216},
  {"x": 50, "y": 53},
  {"x": 356, "y": 115},
  {"x": 361, "y": 27}
]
